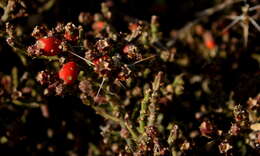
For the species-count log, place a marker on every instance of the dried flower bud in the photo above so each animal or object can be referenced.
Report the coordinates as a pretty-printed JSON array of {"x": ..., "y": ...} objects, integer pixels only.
[
  {"x": 124, "y": 73},
  {"x": 86, "y": 87},
  {"x": 102, "y": 45},
  {"x": 16, "y": 94},
  {"x": 240, "y": 114},
  {"x": 258, "y": 137},
  {"x": 234, "y": 129},
  {"x": 132, "y": 52},
  {"x": 10, "y": 29},
  {"x": 224, "y": 147},
  {"x": 124, "y": 133},
  {"x": 71, "y": 32},
  {"x": 185, "y": 146},
  {"x": 40, "y": 31},
  {"x": 151, "y": 131},
  {"x": 85, "y": 18},
  {"x": 10, "y": 41},
  {"x": 43, "y": 77},
  {"x": 59, "y": 89},
  {"x": 207, "y": 128},
  {"x": 102, "y": 66},
  {"x": 6, "y": 82},
  {"x": 33, "y": 50},
  {"x": 254, "y": 103},
  {"x": 59, "y": 27}
]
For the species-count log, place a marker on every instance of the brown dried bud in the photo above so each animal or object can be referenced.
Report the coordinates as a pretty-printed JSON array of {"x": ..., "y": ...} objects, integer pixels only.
[
  {"x": 6, "y": 82},
  {"x": 132, "y": 52},
  {"x": 34, "y": 50},
  {"x": 103, "y": 46},
  {"x": 40, "y": 31},
  {"x": 43, "y": 77},
  {"x": 185, "y": 146},
  {"x": 10, "y": 41},
  {"x": 235, "y": 129},
  {"x": 45, "y": 111},
  {"x": 26, "y": 90},
  {"x": 240, "y": 114},
  {"x": 258, "y": 137},
  {"x": 71, "y": 32},
  {"x": 59, "y": 89},
  {"x": 224, "y": 147},
  {"x": 10, "y": 30},
  {"x": 86, "y": 87},
  {"x": 207, "y": 128},
  {"x": 16, "y": 94},
  {"x": 124, "y": 133},
  {"x": 85, "y": 18},
  {"x": 124, "y": 73},
  {"x": 254, "y": 103},
  {"x": 102, "y": 66},
  {"x": 151, "y": 131}
]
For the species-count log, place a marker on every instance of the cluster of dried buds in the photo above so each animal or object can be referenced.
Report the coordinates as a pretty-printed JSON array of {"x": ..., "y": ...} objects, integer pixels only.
[{"x": 151, "y": 143}]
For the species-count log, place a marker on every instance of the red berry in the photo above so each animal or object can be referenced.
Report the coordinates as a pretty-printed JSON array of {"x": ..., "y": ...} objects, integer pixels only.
[
  {"x": 133, "y": 26},
  {"x": 69, "y": 72},
  {"x": 50, "y": 45},
  {"x": 210, "y": 44},
  {"x": 209, "y": 40},
  {"x": 99, "y": 26},
  {"x": 126, "y": 49}
]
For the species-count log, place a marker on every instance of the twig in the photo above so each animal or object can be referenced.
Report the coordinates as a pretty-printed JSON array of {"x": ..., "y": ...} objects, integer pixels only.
[
  {"x": 211, "y": 11},
  {"x": 153, "y": 105},
  {"x": 100, "y": 86},
  {"x": 143, "y": 111},
  {"x": 145, "y": 59},
  {"x": 254, "y": 8},
  {"x": 104, "y": 114},
  {"x": 87, "y": 61},
  {"x": 235, "y": 21},
  {"x": 254, "y": 23}
]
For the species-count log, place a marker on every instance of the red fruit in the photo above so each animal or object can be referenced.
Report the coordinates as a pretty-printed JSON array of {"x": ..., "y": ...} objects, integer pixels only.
[
  {"x": 99, "y": 26},
  {"x": 209, "y": 40},
  {"x": 126, "y": 49},
  {"x": 133, "y": 26},
  {"x": 210, "y": 44},
  {"x": 69, "y": 72},
  {"x": 50, "y": 45}
]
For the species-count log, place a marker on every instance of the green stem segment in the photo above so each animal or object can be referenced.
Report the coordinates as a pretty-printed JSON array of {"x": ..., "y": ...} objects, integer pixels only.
[
  {"x": 104, "y": 114},
  {"x": 143, "y": 112},
  {"x": 153, "y": 108}
]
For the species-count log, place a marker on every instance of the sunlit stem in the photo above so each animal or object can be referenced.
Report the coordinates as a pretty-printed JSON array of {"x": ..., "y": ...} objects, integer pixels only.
[
  {"x": 87, "y": 61},
  {"x": 254, "y": 8},
  {"x": 142, "y": 60},
  {"x": 254, "y": 23},
  {"x": 245, "y": 33},
  {"x": 235, "y": 21},
  {"x": 100, "y": 87}
]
